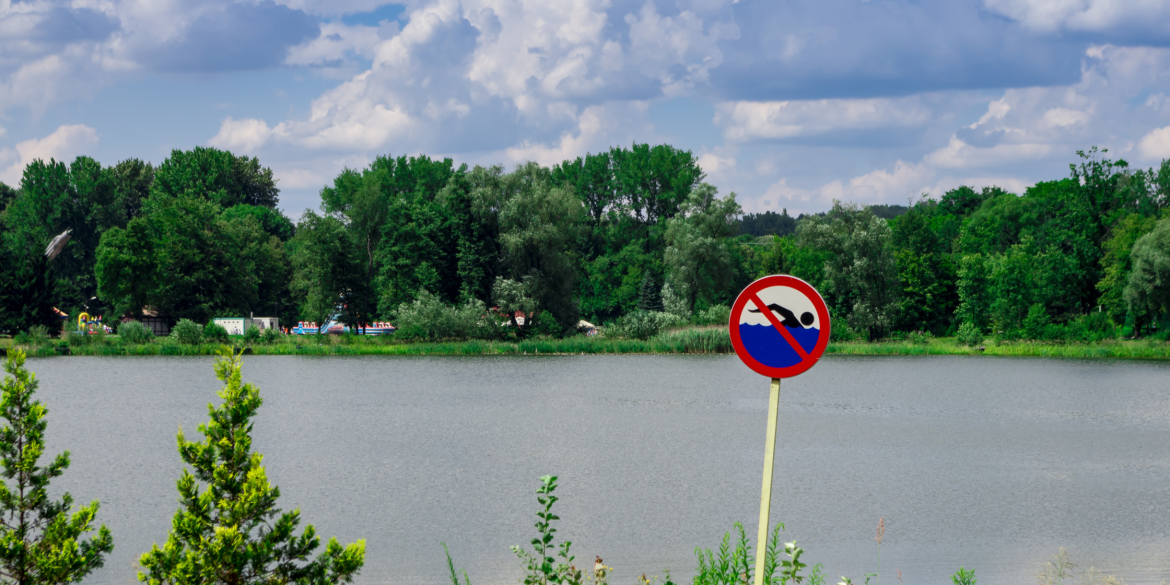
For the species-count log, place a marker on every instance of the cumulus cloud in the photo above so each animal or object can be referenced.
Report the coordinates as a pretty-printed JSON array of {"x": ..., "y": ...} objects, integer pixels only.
[
  {"x": 1156, "y": 144},
  {"x": 64, "y": 144},
  {"x": 1148, "y": 18},
  {"x": 745, "y": 121},
  {"x": 241, "y": 135}
]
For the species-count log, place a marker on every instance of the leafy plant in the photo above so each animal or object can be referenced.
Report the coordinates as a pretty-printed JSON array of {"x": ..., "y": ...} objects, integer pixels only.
[
  {"x": 36, "y": 335},
  {"x": 970, "y": 335},
  {"x": 451, "y": 565},
  {"x": 1056, "y": 570},
  {"x": 135, "y": 333},
  {"x": 40, "y": 542},
  {"x": 963, "y": 577},
  {"x": 215, "y": 333},
  {"x": 231, "y": 531},
  {"x": 730, "y": 567},
  {"x": 540, "y": 567},
  {"x": 252, "y": 334},
  {"x": 187, "y": 332},
  {"x": 714, "y": 315},
  {"x": 641, "y": 325},
  {"x": 271, "y": 336}
]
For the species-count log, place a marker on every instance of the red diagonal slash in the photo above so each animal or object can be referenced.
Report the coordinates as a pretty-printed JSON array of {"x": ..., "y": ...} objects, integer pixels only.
[{"x": 778, "y": 325}]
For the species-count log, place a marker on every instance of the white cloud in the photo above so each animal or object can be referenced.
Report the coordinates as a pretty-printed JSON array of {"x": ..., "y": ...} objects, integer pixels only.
[
  {"x": 1083, "y": 15},
  {"x": 959, "y": 154},
  {"x": 745, "y": 121},
  {"x": 715, "y": 165},
  {"x": 1156, "y": 144},
  {"x": 245, "y": 135},
  {"x": 64, "y": 144}
]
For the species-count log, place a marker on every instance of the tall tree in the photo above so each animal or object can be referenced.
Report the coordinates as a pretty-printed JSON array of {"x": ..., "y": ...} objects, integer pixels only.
[
  {"x": 217, "y": 176},
  {"x": 40, "y": 540},
  {"x": 229, "y": 529},
  {"x": 697, "y": 257},
  {"x": 1148, "y": 289},
  {"x": 861, "y": 269}
]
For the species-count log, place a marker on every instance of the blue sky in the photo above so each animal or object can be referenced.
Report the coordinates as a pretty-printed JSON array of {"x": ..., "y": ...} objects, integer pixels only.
[{"x": 788, "y": 104}]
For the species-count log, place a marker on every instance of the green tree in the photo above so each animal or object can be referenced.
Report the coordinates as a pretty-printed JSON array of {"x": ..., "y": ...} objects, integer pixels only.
[
  {"x": 132, "y": 181},
  {"x": 25, "y": 293},
  {"x": 217, "y": 176},
  {"x": 973, "y": 289},
  {"x": 40, "y": 541},
  {"x": 229, "y": 529},
  {"x": 1116, "y": 263},
  {"x": 538, "y": 224},
  {"x": 861, "y": 268},
  {"x": 325, "y": 264},
  {"x": 697, "y": 256},
  {"x": 1148, "y": 289}
]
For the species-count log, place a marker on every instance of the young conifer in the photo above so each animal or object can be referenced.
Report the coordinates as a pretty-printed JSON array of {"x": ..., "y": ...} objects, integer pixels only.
[
  {"x": 40, "y": 542},
  {"x": 229, "y": 530}
]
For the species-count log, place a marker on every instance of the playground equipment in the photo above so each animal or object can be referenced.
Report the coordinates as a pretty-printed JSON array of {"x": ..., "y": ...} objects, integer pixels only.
[{"x": 88, "y": 324}]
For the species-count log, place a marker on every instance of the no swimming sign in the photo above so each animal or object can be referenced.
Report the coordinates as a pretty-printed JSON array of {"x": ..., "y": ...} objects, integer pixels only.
[{"x": 779, "y": 326}]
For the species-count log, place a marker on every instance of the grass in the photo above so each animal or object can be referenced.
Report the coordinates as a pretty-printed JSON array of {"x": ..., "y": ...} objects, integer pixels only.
[{"x": 684, "y": 341}]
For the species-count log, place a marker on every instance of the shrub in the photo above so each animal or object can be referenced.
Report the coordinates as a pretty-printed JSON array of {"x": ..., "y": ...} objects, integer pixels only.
[
  {"x": 839, "y": 330},
  {"x": 134, "y": 332},
  {"x": 77, "y": 338},
  {"x": 970, "y": 335},
  {"x": 544, "y": 324},
  {"x": 215, "y": 333},
  {"x": 716, "y": 315},
  {"x": 919, "y": 337},
  {"x": 252, "y": 334},
  {"x": 642, "y": 324},
  {"x": 428, "y": 317},
  {"x": 36, "y": 335},
  {"x": 1036, "y": 322},
  {"x": 271, "y": 336},
  {"x": 187, "y": 332}
]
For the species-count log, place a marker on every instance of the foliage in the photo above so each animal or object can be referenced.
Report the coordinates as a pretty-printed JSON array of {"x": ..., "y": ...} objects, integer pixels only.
[
  {"x": 229, "y": 529},
  {"x": 40, "y": 541},
  {"x": 35, "y": 336},
  {"x": 697, "y": 257},
  {"x": 251, "y": 334},
  {"x": 970, "y": 335},
  {"x": 540, "y": 566},
  {"x": 134, "y": 332},
  {"x": 215, "y": 333},
  {"x": 963, "y": 577},
  {"x": 641, "y": 325},
  {"x": 187, "y": 332},
  {"x": 714, "y": 315},
  {"x": 737, "y": 566},
  {"x": 430, "y": 318},
  {"x": 861, "y": 269},
  {"x": 270, "y": 336},
  {"x": 1148, "y": 291}
]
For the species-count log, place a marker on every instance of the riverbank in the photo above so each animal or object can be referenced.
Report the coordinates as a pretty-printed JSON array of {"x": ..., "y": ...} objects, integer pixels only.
[{"x": 690, "y": 341}]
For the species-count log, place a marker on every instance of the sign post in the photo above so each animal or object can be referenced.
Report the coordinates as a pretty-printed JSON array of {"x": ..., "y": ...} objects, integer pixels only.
[{"x": 779, "y": 328}]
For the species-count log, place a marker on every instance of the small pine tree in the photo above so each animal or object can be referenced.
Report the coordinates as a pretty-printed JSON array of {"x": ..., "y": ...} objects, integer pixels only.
[
  {"x": 649, "y": 294},
  {"x": 231, "y": 532},
  {"x": 39, "y": 540}
]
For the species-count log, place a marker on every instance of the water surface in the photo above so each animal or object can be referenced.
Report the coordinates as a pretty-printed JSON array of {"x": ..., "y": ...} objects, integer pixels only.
[{"x": 990, "y": 463}]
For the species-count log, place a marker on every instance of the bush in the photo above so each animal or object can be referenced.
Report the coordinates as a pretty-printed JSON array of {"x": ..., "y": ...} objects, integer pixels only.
[
  {"x": 919, "y": 337},
  {"x": 544, "y": 324},
  {"x": 77, "y": 338},
  {"x": 187, "y": 332},
  {"x": 716, "y": 315},
  {"x": 215, "y": 333},
  {"x": 642, "y": 324},
  {"x": 430, "y": 318},
  {"x": 36, "y": 335},
  {"x": 252, "y": 334},
  {"x": 134, "y": 332},
  {"x": 839, "y": 330},
  {"x": 271, "y": 336},
  {"x": 970, "y": 335}
]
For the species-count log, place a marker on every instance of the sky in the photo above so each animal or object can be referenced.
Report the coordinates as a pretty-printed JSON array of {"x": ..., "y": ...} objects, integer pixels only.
[{"x": 788, "y": 104}]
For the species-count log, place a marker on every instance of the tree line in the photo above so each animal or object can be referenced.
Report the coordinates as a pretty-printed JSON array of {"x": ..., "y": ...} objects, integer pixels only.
[{"x": 598, "y": 237}]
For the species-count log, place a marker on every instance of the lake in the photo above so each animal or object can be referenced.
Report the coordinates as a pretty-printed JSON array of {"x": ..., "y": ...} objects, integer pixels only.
[{"x": 991, "y": 463}]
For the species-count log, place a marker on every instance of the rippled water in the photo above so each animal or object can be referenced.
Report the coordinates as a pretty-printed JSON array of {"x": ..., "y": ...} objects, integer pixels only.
[{"x": 982, "y": 462}]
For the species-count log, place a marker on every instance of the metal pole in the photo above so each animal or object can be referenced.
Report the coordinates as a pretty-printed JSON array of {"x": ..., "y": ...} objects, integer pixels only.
[{"x": 766, "y": 492}]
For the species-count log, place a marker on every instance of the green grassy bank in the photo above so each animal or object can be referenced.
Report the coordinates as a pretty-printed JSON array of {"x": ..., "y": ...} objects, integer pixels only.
[{"x": 694, "y": 340}]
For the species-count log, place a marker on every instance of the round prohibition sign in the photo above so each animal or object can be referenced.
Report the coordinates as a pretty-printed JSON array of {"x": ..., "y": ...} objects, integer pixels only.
[{"x": 779, "y": 326}]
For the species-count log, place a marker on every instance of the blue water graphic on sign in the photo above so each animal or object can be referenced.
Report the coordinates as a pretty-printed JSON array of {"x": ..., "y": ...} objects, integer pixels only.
[{"x": 770, "y": 348}]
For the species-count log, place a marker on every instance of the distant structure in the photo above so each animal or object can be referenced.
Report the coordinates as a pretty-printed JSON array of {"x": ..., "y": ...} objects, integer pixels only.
[{"x": 58, "y": 244}]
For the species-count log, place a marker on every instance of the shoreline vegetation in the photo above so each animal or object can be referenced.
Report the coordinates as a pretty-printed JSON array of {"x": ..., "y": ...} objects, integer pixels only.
[{"x": 709, "y": 340}]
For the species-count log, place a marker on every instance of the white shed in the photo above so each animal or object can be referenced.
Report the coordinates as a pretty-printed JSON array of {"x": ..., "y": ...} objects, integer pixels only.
[
  {"x": 234, "y": 325},
  {"x": 266, "y": 323}
]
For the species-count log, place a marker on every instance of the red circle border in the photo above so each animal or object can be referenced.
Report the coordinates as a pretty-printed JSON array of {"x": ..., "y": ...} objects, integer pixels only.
[{"x": 822, "y": 314}]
